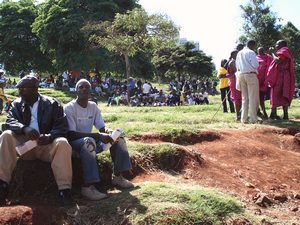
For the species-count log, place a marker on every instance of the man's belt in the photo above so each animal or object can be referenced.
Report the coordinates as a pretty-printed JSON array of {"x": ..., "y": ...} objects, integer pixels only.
[{"x": 249, "y": 72}]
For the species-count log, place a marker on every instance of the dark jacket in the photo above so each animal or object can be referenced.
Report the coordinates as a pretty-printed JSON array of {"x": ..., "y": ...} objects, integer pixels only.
[{"x": 51, "y": 117}]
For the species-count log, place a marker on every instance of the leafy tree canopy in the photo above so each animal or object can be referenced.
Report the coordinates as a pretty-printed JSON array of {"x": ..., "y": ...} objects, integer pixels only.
[
  {"x": 292, "y": 35},
  {"x": 19, "y": 47},
  {"x": 182, "y": 59},
  {"x": 260, "y": 24},
  {"x": 131, "y": 33},
  {"x": 59, "y": 28}
]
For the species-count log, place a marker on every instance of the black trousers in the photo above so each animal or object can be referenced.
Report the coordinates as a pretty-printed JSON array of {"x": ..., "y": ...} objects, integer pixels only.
[{"x": 225, "y": 94}]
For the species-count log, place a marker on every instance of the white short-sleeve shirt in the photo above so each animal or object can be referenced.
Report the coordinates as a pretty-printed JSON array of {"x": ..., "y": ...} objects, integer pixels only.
[{"x": 83, "y": 119}]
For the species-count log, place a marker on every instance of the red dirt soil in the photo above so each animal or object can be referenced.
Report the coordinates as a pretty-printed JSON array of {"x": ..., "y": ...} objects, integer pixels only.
[{"x": 246, "y": 164}]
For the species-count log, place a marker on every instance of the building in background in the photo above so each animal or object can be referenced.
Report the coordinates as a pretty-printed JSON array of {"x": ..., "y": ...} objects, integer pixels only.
[{"x": 182, "y": 41}]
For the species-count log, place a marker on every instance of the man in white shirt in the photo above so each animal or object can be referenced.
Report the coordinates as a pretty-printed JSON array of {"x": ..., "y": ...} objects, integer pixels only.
[
  {"x": 247, "y": 64},
  {"x": 82, "y": 116}
]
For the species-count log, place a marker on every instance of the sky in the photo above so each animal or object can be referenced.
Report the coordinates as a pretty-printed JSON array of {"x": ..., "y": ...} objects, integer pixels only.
[{"x": 216, "y": 24}]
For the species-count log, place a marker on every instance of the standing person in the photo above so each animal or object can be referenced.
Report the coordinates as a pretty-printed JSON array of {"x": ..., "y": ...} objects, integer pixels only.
[
  {"x": 281, "y": 79},
  {"x": 82, "y": 115},
  {"x": 235, "y": 94},
  {"x": 239, "y": 47},
  {"x": 41, "y": 119},
  {"x": 264, "y": 61},
  {"x": 131, "y": 86},
  {"x": 247, "y": 64},
  {"x": 224, "y": 87}
]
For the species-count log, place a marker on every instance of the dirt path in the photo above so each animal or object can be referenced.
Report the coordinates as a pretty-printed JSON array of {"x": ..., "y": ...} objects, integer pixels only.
[{"x": 248, "y": 164}]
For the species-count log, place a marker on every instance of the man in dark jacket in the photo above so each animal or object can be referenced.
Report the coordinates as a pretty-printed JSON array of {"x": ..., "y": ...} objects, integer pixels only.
[{"x": 35, "y": 129}]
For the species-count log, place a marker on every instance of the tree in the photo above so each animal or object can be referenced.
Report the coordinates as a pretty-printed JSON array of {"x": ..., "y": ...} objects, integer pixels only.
[
  {"x": 142, "y": 67},
  {"x": 131, "y": 33},
  {"x": 198, "y": 63},
  {"x": 19, "y": 47},
  {"x": 292, "y": 35},
  {"x": 182, "y": 59},
  {"x": 59, "y": 28},
  {"x": 260, "y": 24}
]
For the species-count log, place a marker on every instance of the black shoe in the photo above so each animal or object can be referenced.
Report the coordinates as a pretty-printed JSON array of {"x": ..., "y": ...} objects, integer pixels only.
[
  {"x": 275, "y": 117},
  {"x": 260, "y": 115},
  {"x": 65, "y": 197},
  {"x": 3, "y": 191}
]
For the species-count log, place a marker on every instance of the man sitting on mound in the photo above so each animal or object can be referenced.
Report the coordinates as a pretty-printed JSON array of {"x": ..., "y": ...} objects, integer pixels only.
[
  {"x": 39, "y": 119},
  {"x": 82, "y": 115}
]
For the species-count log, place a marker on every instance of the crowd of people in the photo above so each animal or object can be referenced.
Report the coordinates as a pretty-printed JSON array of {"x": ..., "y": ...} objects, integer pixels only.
[
  {"x": 133, "y": 92},
  {"x": 144, "y": 94},
  {"x": 247, "y": 80}
]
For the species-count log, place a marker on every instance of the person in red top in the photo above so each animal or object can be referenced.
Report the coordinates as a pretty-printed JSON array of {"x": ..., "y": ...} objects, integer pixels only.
[
  {"x": 281, "y": 79},
  {"x": 264, "y": 61}
]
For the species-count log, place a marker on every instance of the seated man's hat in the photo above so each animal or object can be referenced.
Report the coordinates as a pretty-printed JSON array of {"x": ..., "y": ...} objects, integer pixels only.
[{"x": 28, "y": 81}]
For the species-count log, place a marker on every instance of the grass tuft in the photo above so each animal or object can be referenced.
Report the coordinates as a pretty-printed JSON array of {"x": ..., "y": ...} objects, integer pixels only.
[{"x": 159, "y": 203}]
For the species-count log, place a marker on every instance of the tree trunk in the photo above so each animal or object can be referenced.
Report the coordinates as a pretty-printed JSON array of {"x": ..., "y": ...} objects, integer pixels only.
[
  {"x": 127, "y": 63},
  {"x": 158, "y": 79},
  {"x": 178, "y": 75},
  {"x": 97, "y": 71}
]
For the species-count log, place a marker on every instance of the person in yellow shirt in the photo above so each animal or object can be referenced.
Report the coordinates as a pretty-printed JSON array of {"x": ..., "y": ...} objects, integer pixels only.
[{"x": 224, "y": 87}]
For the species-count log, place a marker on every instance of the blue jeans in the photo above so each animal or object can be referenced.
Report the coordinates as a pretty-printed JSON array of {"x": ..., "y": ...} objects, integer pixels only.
[{"x": 87, "y": 148}]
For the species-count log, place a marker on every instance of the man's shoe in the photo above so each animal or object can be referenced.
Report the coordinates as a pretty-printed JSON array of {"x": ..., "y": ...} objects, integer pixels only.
[
  {"x": 121, "y": 182},
  {"x": 92, "y": 193},
  {"x": 3, "y": 191},
  {"x": 65, "y": 197},
  {"x": 274, "y": 117},
  {"x": 259, "y": 114}
]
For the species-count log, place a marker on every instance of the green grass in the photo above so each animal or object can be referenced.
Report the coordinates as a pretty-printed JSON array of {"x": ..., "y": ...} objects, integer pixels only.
[
  {"x": 62, "y": 96},
  {"x": 160, "y": 203},
  {"x": 191, "y": 204},
  {"x": 138, "y": 120}
]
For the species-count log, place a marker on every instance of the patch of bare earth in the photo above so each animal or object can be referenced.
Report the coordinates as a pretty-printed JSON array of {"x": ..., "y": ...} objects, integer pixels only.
[{"x": 259, "y": 166}]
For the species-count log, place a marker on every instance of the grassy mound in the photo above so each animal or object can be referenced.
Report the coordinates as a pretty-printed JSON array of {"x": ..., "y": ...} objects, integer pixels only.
[{"x": 159, "y": 203}]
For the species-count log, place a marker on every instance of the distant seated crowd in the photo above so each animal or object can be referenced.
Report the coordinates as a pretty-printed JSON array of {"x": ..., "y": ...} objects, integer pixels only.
[
  {"x": 183, "y": 92},
  {"x": 159, "y": 98},
  {"x": 144, "y": 94}
]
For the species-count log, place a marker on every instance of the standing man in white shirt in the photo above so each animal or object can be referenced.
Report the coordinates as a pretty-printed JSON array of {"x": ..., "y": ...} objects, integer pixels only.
[{"x": 247, "y": 64}]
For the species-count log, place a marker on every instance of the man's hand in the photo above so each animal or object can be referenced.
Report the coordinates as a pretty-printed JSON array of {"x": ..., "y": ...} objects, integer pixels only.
[
  {"x": 31, "y": 133},
  {"x": 105, "y": 138},
  {"x": 44, "y": 139}
]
